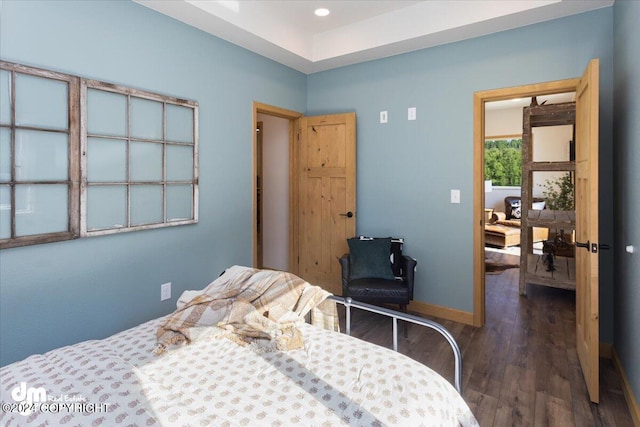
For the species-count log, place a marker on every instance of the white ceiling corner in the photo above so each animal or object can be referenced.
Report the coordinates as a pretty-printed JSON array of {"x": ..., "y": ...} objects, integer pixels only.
[{"x": 357, "y": 30}]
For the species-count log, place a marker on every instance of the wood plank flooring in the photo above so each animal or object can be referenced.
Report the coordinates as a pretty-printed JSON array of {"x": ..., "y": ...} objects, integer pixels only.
[{"x": 521, "y": 368}]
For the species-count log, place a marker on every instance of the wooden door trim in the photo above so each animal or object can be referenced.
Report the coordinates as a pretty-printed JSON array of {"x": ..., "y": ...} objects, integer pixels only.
[
  {"x": 292, "y": 116},
  {"x": 479, "y": 99},
  {"x": 259, "y": 179}
]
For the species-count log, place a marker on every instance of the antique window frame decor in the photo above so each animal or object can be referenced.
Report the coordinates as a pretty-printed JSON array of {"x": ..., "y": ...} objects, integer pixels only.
[
  {"x": 30, "y": 151},
  {"x": 134, "y": 135},
  {"x": 81, "y": 158}
]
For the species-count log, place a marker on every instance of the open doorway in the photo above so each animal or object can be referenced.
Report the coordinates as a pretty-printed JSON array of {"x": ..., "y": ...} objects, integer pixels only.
[
  {"x": 272, "y": 192},
  {"x": 503, "y": 166},
  {"x": 273, "y": 187},
  {"x": 494, "y": 199},
  {"x": 585, "y": 217},
  {"x": 321, "y": 192}
]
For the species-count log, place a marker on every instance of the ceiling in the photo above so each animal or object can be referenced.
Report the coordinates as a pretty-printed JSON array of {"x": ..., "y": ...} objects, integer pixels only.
[{"x": 356, "y": 31}]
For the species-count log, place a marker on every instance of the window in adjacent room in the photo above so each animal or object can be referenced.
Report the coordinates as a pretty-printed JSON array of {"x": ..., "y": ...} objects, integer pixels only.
[
  {"x": 139, "y": 154},
  {"x": 39, "y": 171},
  {"x": 503, "y": 161}
]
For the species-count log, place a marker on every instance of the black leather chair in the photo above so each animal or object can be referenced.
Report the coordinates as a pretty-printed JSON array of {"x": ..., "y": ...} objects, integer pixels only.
[{"x": 396, "y": 287}]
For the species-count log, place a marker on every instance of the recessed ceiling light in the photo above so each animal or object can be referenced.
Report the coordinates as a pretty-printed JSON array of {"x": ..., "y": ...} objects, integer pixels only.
[{"x": 322, "y": 12}]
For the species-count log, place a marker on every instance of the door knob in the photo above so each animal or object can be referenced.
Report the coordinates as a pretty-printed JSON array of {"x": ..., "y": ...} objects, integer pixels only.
[{"x": 348, "y": 214}]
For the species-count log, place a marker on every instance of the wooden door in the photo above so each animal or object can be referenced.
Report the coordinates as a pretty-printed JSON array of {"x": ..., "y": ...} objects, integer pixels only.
[
  {"x": 587, "y": 314},
  {"x": 326, "y": 196}
]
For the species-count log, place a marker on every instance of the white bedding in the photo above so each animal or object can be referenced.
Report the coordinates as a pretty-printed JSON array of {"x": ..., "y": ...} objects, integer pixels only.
[{"x": 334, "y": 380}]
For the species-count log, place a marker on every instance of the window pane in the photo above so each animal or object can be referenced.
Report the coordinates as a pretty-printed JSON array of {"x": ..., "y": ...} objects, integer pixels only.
[
  {"x": 5, "y": 155},
  {"x": 106, "y": 113},
  {"x": 146, "y": 119},
  {"x": 503, "y": 162},
  {"x": 146, "y": 204},
  {"x": 145, "y": 161},
  {"x": 142, "y": 164},
  {"x": 106, "y": 207},
  {"x": 41, "y": 102},
  {"x": 5, "y": 211},
  {"x": 5, "y": 97},
  {"x": 41, "y": 155},
  {"x": 41, "y": 209},
  {"x": 179, "y": 201},
  {"x": 179, "y": 123},
  {"x": 179, "y": 163},
  {"x": 106, "y": 160}
]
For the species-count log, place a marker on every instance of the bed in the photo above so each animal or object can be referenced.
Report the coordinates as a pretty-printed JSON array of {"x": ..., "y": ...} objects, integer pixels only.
[{"x": 215, "y": 379}]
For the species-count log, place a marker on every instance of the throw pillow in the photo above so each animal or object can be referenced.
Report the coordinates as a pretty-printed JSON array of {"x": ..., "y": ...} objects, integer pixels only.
[
  {"x": 516, "y": 212},
  {"x": 537, "y": 206},
  {"x": 369, "y": 258}
]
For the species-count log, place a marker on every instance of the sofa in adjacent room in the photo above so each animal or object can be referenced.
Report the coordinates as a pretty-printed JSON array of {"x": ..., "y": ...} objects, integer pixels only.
[{"x": 503, "y": 230}]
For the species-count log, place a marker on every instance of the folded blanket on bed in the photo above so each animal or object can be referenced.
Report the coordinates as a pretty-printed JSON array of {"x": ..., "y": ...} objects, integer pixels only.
[{"x": 253, "y": 305}]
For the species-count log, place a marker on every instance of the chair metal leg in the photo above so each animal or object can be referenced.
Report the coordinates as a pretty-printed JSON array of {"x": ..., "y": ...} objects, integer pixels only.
[{"x": 403, "y": 308}]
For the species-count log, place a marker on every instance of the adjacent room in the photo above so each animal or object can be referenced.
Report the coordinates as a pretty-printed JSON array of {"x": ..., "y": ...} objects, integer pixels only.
[
  {"x": 548, "y": 189},
  {"x": 148, "y": 148}
]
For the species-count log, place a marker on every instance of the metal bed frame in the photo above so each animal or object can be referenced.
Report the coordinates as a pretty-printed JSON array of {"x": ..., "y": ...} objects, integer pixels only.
[{"x": 348, "y": 303}]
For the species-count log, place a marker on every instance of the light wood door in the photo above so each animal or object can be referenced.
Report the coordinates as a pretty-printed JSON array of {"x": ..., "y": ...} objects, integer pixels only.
[
  {"x": 326, "y": 196},
  {"x": 587, "y": 314}
]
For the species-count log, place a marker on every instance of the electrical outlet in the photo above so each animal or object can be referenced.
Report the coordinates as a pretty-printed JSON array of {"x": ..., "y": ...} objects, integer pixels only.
[
  {"x": 165, "y": 291},
  {"x": 384, "y": 117},
  {"x": 411, "y": 113}
]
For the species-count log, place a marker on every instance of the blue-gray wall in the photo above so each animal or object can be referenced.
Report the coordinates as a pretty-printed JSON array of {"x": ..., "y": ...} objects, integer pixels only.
[
  {"x": 627, "y": 189},
  {"x": 406, "y": 169},
  {"x": 61, "y": 293}
]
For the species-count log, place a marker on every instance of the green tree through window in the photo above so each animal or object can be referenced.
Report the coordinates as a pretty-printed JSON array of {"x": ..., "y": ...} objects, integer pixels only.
[{"x": 503, "y": 162}]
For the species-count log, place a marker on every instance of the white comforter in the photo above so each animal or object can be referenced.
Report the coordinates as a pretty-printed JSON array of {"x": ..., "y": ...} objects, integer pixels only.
[{"x": 334, "y": 380}]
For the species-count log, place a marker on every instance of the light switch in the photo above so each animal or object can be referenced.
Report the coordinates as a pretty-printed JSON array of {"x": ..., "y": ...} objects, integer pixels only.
[
  {"x": 455, "y": 196},
  {"x": 411, "y": 113},
  {"x": 383, "y": 117}
]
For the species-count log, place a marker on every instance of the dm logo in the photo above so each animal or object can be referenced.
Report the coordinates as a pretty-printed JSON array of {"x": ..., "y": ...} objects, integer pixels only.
[{"x": 29, "y": 396}]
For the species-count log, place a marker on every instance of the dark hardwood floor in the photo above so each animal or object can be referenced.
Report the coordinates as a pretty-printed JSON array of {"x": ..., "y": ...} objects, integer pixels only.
[{"x": 521, "y": 368}]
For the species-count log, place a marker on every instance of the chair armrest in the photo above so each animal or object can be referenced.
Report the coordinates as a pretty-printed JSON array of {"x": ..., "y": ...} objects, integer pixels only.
[
  {"x": 408, "y": 269},
  {"x": 344, "y": 263}
]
